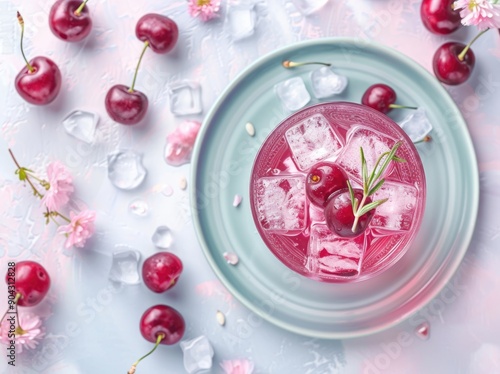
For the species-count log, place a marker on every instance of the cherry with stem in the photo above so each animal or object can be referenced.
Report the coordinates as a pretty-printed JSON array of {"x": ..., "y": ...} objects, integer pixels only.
[
  {"x": 39, "y": 82},
  {"x": 382, "y": 97},
  {"x": 70, "y": 20}
]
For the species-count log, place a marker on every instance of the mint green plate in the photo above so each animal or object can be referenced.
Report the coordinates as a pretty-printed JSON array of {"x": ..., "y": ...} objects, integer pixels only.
[{"x": 223, "y": 159}]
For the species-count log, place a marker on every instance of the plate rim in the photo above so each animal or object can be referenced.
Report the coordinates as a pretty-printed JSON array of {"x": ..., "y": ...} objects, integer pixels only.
[{"x": 474, "y": 186}]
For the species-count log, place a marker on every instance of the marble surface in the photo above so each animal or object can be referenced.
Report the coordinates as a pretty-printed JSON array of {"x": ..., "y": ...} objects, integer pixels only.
[{"x": 91, "y": 325}]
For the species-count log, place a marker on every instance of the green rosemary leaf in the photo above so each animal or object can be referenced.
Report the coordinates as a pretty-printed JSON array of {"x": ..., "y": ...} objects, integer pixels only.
[
  {"x": 398, "y": 159},
  {"x": 376, "y": 187},
  {"x": 371, "y": 206},
  {"x": 351, "y": 194},
  {"x": 364, "y": 168}
]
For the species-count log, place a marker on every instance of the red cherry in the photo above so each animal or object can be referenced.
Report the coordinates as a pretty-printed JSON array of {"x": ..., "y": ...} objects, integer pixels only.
[
  {"x": 42, "y": 85},
  {"x": 32, "y": 282},
  {"x": 68, "y": 22},
  {"x": 161, "y": 271},
  {"x": 340, "y": 217},
  {"x": 160, "y": 31},
  {"x": 439, "y": 17},
  {"x": 324, "y": 179},
  {"x": 162, "y": 319},
  {"x": 379, "y": 97},
  {"x": 124, "y": 106},
  {"x": 447, "y": 65}
]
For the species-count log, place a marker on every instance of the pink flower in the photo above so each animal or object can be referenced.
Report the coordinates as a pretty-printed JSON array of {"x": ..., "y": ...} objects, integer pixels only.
[
  {"x": 237, "y": 366},
  {"x": 79, "y": 229},
  {"x": 205, "y": 9},
  {"x": 32, "y": 332},
  {"x": 61, "y": 186},
  {"x": 180, "y": 143},
  {"x": 481, "y": 13}
]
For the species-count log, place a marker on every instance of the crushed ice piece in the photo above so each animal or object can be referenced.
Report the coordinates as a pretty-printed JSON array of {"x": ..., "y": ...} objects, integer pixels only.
[
  {"x": 198, "y": 354},
  {"x": 250, "y": 129},
  {"x": 221, "y": 318},
  {"x": 416, "y": 125},
  {"x": 124, "y": 267},
  {"x": 125, "y": 169},
  {"x": 241, "y": 19},
  {"x": 423, "y": 331},
  {"x": 231, "y": 258},
  {"x": 312, "y": 140},
  {"x": 307, "y": 7},
  {"x": 281, "y": 203},
  {"x": 81, "y": 125},
  {"x": 162, "y": 237},
  {"x": 293, "y": 93},
  {"x": 396, "y": 214},
  {"x": 183, "y": 183},
  {"x": 373, "y": 144},
  {"x": 180, "y": 143},
  {"x": 237, "y": 200},
  {"x": 326, "y": 83},
  {"x": 185, "y": 98},
  {"x": 331, "y": 254},
  {"x": 139, "y": 207}
]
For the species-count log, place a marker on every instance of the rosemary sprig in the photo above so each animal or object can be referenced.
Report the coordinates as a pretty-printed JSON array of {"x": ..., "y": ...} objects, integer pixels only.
[{"x": 371, "y": 183}]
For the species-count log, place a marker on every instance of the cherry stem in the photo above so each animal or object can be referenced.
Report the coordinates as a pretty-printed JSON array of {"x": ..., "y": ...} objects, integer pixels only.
[
  {"x": 146, "y": 45},
  {"x": 425, "y": 139},
  {"x": 292, "y": 64},
  {"x": 35, "y": 191},
  {"x": 396, "y": 106},
  {"x": 80, "y": 8},
  {"x": 21, "y": 22},
  {"x": 158, "y": 341},
  {"x": 16, "y": 299},
  {"x": 462, "y": 54}
]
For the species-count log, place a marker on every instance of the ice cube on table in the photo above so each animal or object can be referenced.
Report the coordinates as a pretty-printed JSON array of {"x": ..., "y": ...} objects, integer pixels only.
[
  {"x": 397, "y": 213},
  {"x": 326, "y": 83},
  {"x": 307, "y": 7},
  {"x": 293, "y": 93},
  {"x": 198, "y": 354},
  {"x": 125, "y": 169},
  {"x": 185, "y": 98},
  {"x": 331, "y": 254},
  {"x": 81, "y": 125},
  {"x": 416, "y": 125},
  {"x": 162, "y": 237},
  {"x": 312, "y": 140},
  {"x": 124, "y": 266},
  {"x": 281, "y": 203},
  {"x": 374, "y": 145},
  {"x": 241, "y": 18}
]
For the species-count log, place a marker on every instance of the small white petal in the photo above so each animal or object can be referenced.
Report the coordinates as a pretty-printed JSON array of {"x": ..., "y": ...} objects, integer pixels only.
[
  {"x": 231, "y": 258},
  {"x": 237, "y": 200},
  {"x": 221, "y": 318},
  {"x": 183, "y": 183},
  {"x": 250, "y": 129}
]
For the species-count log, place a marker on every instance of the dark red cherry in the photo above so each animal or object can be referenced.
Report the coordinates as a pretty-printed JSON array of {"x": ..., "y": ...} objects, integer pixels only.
[
  {"x": 324, "y": 179},
  {"x": 32, "y": 282},
  {"x": 160, "y": 31},
  {"x": 439, "y": 17},
  {"x": 379, "y": 97},
  {"x": 340, "y": 217},
  {"x": 68, "y": 22},
  {"x": 125, "y": 107},
  {"x": 42, "y": 85},
  {"x": 162, "y": 319},
  {"x": 161, "y": 271},
  {"x": 447, "y": 65}
]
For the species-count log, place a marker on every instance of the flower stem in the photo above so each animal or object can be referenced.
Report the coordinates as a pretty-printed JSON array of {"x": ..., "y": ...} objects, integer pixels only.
[
  {"x": 134, "y": 365},
  {"x": 35, "y": 191},
  {"x": 21, "y": 22},
  {"x": 146, "y": 45},
  {"x": 292, "y": 64},
  {"x": 63, "y": 217},
  {"x": 462, "y": 54},
  {"x": 80, "y": 8}
]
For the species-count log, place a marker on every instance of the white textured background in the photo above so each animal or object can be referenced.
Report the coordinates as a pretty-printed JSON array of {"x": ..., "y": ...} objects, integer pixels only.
[{"x": 465, "y": 330}]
